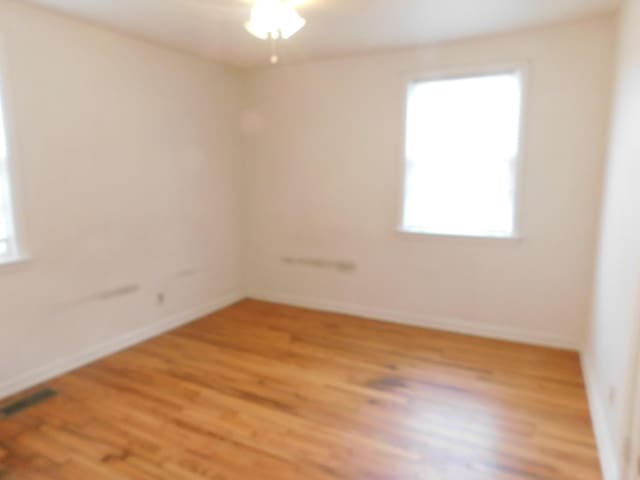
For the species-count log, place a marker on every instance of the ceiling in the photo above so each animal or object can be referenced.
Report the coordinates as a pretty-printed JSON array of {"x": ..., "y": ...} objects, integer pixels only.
[{"x": 214, "y": 28}]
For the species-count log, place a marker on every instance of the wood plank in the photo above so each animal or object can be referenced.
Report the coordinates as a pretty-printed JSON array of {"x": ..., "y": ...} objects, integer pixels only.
[{"x": 267, "y": 391}]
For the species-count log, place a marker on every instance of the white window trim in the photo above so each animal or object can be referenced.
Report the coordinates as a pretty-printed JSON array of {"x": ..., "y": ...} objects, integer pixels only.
[
  {"x": 453, "y": 72},
  {"x": 18, "y": 254}
]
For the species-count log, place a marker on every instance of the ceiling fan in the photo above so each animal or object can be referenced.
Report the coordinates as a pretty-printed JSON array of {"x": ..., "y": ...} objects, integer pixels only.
[{"x": 272, "y": 20}]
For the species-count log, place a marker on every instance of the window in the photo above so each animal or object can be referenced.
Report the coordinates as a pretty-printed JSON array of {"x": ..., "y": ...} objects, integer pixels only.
[
  {"x": 8, "y": 247},
  {"x": 462, "y": 149}
]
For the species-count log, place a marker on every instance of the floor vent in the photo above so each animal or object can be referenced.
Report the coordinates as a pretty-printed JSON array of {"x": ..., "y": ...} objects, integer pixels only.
[
  {"x": 7, "y": 475},
  {"x": 27, "y": 402}
]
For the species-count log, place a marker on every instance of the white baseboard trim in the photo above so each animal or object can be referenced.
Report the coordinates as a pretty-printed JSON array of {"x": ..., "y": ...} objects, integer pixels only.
[
  {"x": 608, "y": 459},
  {"x": 64, "y": 365},
  {"x": 421, "y": 320}
]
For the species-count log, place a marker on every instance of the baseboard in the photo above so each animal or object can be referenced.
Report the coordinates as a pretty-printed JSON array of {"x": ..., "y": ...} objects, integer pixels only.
[
  {"x": 59, "y": 367},
  {"x": 608, "y": 459},
  {"x": 421, "y": 320}
]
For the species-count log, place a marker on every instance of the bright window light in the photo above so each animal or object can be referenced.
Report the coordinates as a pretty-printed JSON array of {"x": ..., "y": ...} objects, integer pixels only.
[
  {"x": 8, "y": 246},
  {"x": 462, "y": 149}
]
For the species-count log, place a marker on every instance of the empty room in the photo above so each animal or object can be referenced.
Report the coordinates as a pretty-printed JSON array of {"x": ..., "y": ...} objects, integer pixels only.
[{"x": 320, "y": 240}]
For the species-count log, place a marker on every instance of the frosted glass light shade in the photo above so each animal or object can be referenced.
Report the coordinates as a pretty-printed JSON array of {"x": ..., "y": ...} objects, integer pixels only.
[{"x": 273, "y": 18}]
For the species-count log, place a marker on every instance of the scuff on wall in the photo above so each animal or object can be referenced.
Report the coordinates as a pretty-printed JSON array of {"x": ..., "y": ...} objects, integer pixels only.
[
  {"x": 340, "y": 266},
  {"x": 104, "y": 295}
]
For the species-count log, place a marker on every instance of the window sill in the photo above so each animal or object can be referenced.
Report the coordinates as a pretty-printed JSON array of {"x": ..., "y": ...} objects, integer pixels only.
[
  {"x": 13, "y": 261},
  {"x": 462, "y": 238}
]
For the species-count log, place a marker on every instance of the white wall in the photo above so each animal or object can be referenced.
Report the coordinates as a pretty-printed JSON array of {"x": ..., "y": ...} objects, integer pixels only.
[
  {"x": 128, "y": 186},
  {"x": 323, "y": 153},
  {"x": 613, "y": 336}
]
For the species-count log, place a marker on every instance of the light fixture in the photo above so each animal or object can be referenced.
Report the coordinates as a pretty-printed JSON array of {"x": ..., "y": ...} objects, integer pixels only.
[{"x": 273, "y": 20}]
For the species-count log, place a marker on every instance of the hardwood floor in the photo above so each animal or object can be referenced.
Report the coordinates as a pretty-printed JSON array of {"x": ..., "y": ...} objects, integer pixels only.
[{"x": 269, "y": 392}]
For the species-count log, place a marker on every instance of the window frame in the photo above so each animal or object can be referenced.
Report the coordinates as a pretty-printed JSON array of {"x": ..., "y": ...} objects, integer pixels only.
[
  {"x": 453, "y": 73},
  {"x": 5, "y": 177},
  {"x": 16, "y": 252}
]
